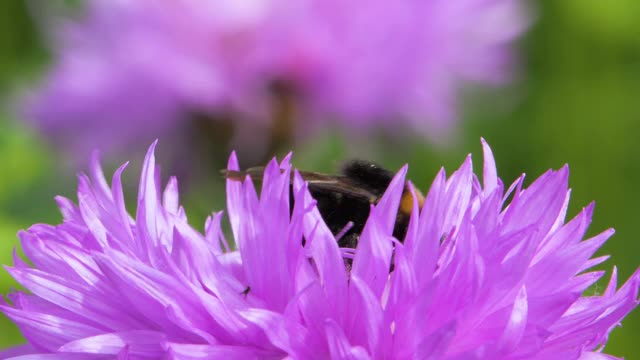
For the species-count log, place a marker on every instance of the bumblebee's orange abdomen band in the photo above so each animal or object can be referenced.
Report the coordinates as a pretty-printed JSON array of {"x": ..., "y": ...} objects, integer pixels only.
[{"x": 406, "y": 202}]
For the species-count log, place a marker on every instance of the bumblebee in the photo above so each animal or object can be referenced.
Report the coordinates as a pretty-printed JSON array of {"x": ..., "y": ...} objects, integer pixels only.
[{"x": 344, "y": 200}]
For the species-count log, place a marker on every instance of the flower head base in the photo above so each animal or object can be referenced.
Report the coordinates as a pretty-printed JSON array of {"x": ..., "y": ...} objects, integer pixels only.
[
  {"x": 475, "y": 277},
  {"x": 148, "y": 66}
]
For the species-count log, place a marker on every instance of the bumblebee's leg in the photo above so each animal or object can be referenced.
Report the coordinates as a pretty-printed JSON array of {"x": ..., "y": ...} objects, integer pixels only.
[{"x": 349, "y": 240}]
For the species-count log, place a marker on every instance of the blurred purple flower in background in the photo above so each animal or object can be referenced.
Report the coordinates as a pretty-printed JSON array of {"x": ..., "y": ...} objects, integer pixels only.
[
  {"x": 133, "y": 70},
  {"x": 127, "y": 70},
  {"x": 475, "y": 278}
]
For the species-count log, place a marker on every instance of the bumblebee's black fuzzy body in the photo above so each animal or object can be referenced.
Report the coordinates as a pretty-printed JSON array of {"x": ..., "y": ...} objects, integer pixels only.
[
  {"x": 338, "y": 209},
  {"x": 347, "y": 197}
]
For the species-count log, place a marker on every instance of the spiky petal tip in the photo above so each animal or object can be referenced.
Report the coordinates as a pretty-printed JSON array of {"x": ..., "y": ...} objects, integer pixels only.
[{"x": 475, "y": 277}]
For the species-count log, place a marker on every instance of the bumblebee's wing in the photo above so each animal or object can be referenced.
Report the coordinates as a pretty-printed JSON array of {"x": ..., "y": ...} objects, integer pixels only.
[
  {"x": 255, "y": 173},
  {"x": 338, "y": 184},
  {"x": 317, "y": 182}
]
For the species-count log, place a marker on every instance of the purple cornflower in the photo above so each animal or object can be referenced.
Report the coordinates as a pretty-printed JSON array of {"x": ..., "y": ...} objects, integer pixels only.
[
  {"x": 475, "y": 278},
  {"x": 129, "y": 70}
]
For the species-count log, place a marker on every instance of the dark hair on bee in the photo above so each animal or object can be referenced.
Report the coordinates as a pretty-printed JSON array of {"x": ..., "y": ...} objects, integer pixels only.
[{"x": 344, "y": 200}]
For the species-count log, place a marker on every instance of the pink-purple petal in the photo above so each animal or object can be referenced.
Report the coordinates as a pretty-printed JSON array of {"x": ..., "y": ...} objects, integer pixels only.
[
  {"x": 143, "y": 343},
  {"x": 478, "y": 275}
]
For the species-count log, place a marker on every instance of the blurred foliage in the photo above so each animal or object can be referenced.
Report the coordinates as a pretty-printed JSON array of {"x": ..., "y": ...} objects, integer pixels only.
[
  {"x": 9, "y": 331},
  {"x": 576, "y": 103},
  {"x": 20, "y": 46}
]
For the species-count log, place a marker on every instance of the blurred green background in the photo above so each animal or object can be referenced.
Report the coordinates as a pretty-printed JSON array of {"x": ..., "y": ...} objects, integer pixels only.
[{"x": 577, "y": 101}]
